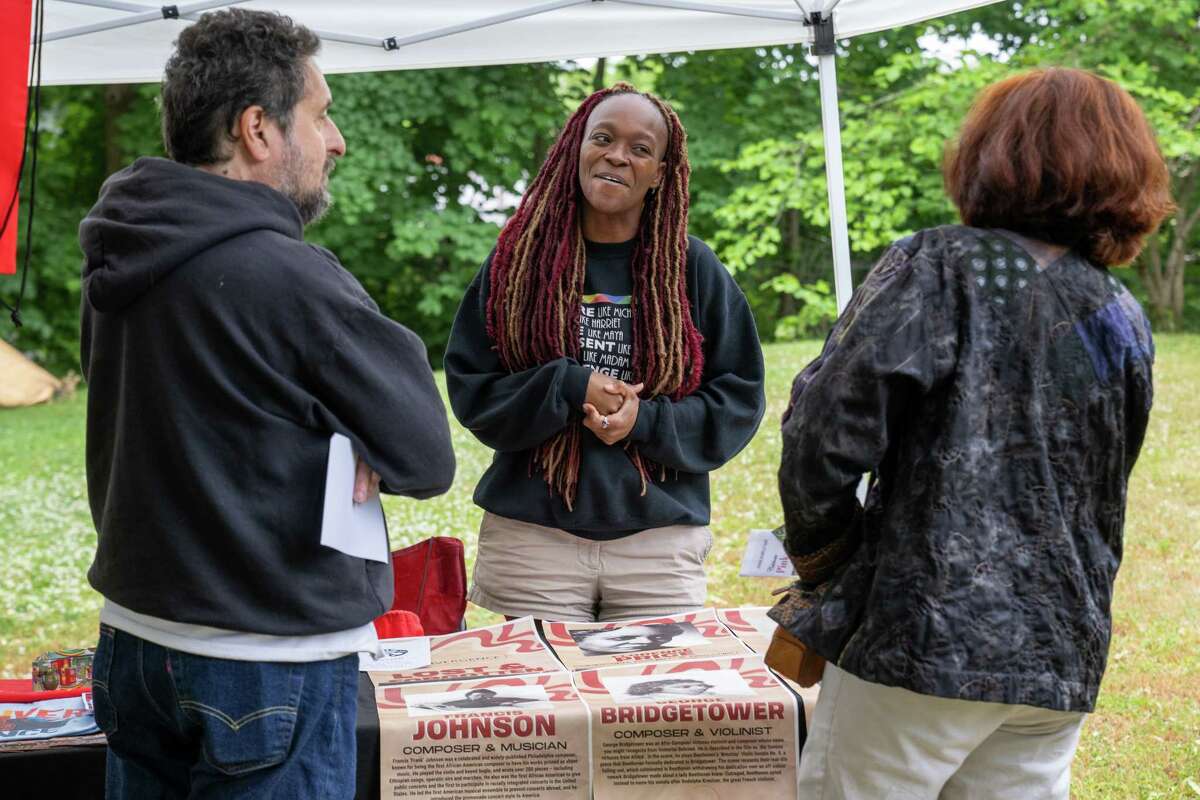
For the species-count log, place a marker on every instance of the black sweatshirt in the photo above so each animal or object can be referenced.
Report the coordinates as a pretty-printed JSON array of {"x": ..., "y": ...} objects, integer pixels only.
[
  {"x": 221, "y": 353},
  {"x": 514, "y": 412}
]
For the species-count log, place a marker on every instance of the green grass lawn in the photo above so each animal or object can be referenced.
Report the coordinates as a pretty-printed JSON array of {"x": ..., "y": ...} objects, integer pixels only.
[{"x": 1143, "y": 741}]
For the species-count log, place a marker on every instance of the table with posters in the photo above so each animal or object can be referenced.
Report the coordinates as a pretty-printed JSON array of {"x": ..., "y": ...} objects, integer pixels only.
[
  {"x": 655, "y": 708},
  {"x": 550, "y": 710}
]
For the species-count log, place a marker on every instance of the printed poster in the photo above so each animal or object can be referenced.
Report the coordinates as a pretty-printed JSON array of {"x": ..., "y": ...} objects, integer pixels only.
[
  {"x": 45, "y": 719},
  {"x": 720, "y": 729},
  {"x": 755, "y": 629},
  {"x": 588, "y": 645},
  {"x": 524, "y": 736},
  {"x": 510, "y": 648}
]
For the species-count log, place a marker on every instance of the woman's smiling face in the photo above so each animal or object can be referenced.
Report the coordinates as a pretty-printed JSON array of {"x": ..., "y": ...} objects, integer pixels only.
[{"x": 621, "y": 156}]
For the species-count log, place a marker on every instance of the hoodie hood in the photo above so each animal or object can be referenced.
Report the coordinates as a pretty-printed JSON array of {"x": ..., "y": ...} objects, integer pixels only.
[{"x": 155, "y": 215}]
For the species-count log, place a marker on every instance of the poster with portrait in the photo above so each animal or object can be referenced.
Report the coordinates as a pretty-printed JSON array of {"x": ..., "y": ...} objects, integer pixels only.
[
  {"x": 755, "y": 629},
  {"x": 524, "y": 736},
  {"x": 588, "y": 645},
  {"x": 510, "y": 648},
  {"x": 722, "y": 728}
]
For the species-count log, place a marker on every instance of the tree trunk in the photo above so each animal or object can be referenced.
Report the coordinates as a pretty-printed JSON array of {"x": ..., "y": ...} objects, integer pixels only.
[
  {"x": 598, "y": 78},
  {"x": 794, "y": 255},
  {"x": 118, "y": 99},
  {"x": 1162, "y": 273}
]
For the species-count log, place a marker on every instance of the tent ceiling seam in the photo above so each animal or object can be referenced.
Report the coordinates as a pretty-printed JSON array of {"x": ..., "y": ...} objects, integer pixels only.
[
  {"x": 148, "y": 15},
  {"x": 732, "y": 11},
  {"x": 143, "y": 13}
]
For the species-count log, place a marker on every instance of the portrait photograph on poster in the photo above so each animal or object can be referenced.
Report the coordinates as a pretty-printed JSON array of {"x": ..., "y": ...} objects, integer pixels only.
[
  {"x": 637, "y": 638},
  {"x": 526, "y": 698},
  {"x": 705, "y": 684},
  {"x": 589, "y": 645}
]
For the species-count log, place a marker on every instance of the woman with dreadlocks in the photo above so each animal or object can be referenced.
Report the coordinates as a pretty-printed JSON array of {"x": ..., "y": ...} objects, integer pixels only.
[{"x": 611, "y": 362}]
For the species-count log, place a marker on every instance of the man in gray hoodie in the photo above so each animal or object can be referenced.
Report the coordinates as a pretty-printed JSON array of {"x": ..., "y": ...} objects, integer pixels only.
[{"x": 222, "y": 352}]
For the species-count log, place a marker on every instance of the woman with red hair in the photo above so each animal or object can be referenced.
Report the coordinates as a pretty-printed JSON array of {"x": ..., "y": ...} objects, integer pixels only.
[
  {"x": 995, "y": 378},
  {"x": 611, "y": 362}
]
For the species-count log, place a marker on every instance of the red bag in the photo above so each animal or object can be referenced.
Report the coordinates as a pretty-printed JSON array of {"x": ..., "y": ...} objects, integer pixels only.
[
  {"x": 430, "y": 578},
  {"x": 398, "y": 625}
]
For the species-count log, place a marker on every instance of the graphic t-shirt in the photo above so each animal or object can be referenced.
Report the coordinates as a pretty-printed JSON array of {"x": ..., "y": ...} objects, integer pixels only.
[
  {"x": 606, "y": 334},
  {"x": 606, "y": 310}
]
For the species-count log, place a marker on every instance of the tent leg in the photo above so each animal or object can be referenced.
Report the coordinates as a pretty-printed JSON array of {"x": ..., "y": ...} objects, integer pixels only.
[{"x": 834, "y": 179}]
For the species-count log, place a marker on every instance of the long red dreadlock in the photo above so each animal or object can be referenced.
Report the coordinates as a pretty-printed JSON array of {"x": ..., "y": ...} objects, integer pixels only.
[{"x": 536, "y": 284}]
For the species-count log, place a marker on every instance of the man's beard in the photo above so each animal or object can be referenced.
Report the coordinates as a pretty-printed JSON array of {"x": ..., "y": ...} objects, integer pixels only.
[{"x": 311, "y": 203}]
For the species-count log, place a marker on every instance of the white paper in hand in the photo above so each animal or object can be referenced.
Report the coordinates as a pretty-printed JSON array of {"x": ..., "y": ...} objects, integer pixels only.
[
  {"x": 397, "y": 655},
  {"x": 356, "y": 529},
  {"x": 765, "y": 557}
]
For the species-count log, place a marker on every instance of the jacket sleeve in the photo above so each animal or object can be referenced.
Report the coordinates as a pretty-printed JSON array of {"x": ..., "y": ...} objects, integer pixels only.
[
  {"x": 892, "y": 344},
  {"x": 506, "y": 411},
  {"x": 704, "y": 430},
  {"x": 372, "y": 383}
]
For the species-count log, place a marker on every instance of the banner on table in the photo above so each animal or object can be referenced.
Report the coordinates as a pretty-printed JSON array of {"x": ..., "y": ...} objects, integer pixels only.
[
  {"x": 511, "y": 648},
  {"x": 590, "y": 645},
  {"x": 524, "y": 736},
  {"x": 722, "y": 728}
]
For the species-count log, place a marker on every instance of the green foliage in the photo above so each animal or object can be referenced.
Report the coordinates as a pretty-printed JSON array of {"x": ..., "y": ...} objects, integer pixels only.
[
  {"x": 437, "y": 158},
  {"x": 84, "y": 129},
  {"x": 816, "y": 314},
  {"x": 434, "y": 161}
]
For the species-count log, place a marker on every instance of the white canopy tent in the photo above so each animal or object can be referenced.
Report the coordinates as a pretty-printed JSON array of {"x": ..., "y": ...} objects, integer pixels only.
[{"x": 116, "y": 41}]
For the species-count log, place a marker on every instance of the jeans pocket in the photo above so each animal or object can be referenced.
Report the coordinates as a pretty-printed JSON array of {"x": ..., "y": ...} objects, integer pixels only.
[
  {"x": 106, "y": 714},
  {"x": 246, "y": 709}
]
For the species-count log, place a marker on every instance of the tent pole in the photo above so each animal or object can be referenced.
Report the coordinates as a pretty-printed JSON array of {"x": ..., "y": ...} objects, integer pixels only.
[
  {"x": 121, "y": 5},
  {"x": 835, "y": 180},
  {"x": 113, "y": 5},
  {"x": 824, "y": 47},
  {"x": 395, "y": 42},
  {"x": 166, "y": 12}
]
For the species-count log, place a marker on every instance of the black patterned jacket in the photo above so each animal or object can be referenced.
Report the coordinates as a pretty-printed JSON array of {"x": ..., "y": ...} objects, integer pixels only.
[{"x": 1000, "y": 394}]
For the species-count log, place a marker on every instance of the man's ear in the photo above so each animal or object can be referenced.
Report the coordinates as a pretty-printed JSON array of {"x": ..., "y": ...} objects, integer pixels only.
[{"x": 251, "y": 134}]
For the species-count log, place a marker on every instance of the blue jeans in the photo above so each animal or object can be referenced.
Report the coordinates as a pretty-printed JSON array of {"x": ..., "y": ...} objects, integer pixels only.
[{"x": 186, "y": 726}]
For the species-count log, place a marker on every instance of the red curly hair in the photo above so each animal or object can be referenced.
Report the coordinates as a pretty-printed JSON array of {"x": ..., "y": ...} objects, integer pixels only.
[{"x": 1064, "y": 156}]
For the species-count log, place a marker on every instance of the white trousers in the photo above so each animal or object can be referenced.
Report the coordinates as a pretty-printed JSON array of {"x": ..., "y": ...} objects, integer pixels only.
[{"x": 874, "y": 742}]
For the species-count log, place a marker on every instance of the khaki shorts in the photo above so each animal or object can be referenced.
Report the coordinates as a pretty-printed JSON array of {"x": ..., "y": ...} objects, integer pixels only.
[{"x": 524, "y": 569}]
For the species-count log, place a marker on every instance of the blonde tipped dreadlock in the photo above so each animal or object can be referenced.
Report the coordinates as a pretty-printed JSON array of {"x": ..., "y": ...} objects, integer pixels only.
[{"x": 536, "y": 284}]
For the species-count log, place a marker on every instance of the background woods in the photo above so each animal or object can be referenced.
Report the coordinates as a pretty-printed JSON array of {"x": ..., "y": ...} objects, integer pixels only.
[{"x": 437, "y": 159}]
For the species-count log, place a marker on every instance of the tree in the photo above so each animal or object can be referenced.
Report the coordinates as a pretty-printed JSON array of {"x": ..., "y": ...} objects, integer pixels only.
[
  {"x": 1150, "y": 49},
  {"x": 435, "y": 161},
  {"x": 435, "y": 158},
  {"x": 895, "y": 126},
  {"x": 761, "y": 103}
]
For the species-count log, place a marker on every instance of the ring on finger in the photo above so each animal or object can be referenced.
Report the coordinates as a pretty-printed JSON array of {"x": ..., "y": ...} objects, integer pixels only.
[{"x": 604, "y": 423}]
